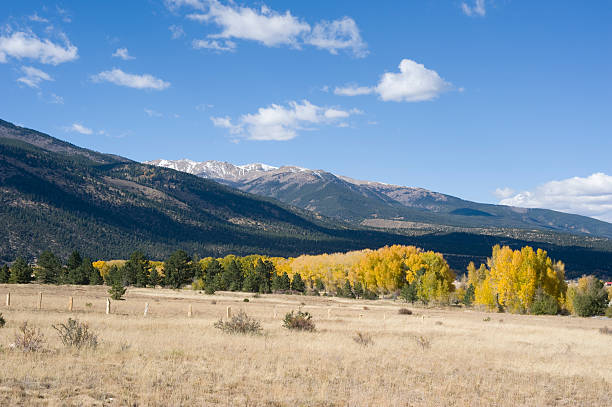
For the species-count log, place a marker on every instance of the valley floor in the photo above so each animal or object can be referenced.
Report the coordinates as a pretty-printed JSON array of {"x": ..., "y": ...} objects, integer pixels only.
[{"x": 434, "y": 357}]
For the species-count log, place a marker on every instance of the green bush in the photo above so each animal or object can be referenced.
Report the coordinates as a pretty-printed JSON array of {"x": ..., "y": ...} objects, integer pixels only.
[
  {"x": 117, "y": 290},
  {"x": 240, "y": 323},
  {"x": 404, "y": 311},
  {"x": 544, "y": 304},
  {"x": 76, "y": 334},
  {"x": 609, "y": 312},
  {"x": 300, "y": 321},
  {"x": 2, "y": 321}
]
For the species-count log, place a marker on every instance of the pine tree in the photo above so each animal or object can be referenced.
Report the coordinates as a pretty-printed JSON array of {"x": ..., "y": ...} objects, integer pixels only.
[
  {"x": 213, "y": 277},
  {"x": 234, "y": 276},
  {"x": 468, "y": 297},
  {"x": 319, "y": 286},
  {"x": 21, "y": 272},
  {"x": 5, "y": 274},
  {"x": 179, "y": 269},
  {"x": 95, "y": 278},
  {"x": 285, "y": 282},
  {"x": 409, "y": 292},
  {"x": 346, "y": 291},
  {"x": 154, "y": 277},
  {"x": 74, "y": 260},
  {"x": 49, "y": 268},
  {"x": 298, "y": 284},
  {"x": 358, "y": 288}
]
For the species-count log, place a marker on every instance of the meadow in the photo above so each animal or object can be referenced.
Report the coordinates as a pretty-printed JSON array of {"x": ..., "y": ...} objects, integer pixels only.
[{"x": 436, "y": 356}]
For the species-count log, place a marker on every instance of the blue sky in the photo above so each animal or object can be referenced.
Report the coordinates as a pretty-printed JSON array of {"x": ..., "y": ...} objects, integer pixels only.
[{"x": 489, "y": 100}]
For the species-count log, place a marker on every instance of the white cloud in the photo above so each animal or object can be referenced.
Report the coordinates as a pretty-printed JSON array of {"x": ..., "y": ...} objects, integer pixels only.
[
  {"x": 55, "y": 99},
  {"x": 338, "y": 34},
  {"x": 280, "y": 123},
  {"x": 177, "y": 31},
  {"x": 27, "y": 45},
  {"x": 79, "y": 128},
  {"x": 353, "y": 90},
  {"x": 123, "y": 54},
  {"x": 33, "y": 76},
  {"x": 272, "y": 28},
  {"x": 118, "y": 77},
  {"x": 478, "y": 9},
  {"x": 35, "y": 17},
  {"x": 413, "y": 83},
  {"x": 215, "y": 45},
  {"x": 503, "y": 193},
  {"x": 152, "y": 113},
  {"x": 589, "y": 196},
  {"x": 263, "y": 25}
]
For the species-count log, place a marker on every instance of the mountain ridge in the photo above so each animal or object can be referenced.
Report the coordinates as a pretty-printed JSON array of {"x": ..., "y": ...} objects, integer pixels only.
[{"x": 365, "y": 202}]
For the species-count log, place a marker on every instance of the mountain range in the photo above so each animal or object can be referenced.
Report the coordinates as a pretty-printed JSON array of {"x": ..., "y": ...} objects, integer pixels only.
[
  {"x": 59, "y": 196},
  {"x": 381, "y": 205}
]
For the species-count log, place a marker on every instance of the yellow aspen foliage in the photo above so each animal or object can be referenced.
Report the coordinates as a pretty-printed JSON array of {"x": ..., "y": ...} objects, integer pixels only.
[{"x": 485, "y": 294}]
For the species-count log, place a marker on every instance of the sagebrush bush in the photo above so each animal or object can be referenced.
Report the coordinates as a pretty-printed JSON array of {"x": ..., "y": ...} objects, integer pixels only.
[
  {"x": 76, "y": 334},
  {"x": 300, "y": 321},
  {"x": 605, "y": 330},
  {"x": 2, "y": 321},
  {"x": 423, "y": 342},
  {"x": 363, "y": 339},
  {"x": 28, "y": 339},
  {"x": 404, "y": 311},
  {"x": 240, "y": 323}
]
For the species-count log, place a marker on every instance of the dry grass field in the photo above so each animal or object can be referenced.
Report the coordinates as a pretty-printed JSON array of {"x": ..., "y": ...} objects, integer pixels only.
[{"x": 433, "y": 357}]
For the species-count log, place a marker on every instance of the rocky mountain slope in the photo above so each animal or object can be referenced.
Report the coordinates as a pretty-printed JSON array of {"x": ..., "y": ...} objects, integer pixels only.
[{"x": 381, "y": 205}]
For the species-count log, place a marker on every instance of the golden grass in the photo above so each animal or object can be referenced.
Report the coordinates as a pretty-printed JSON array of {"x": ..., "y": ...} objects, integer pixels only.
[{"x": 170, "y": 359}]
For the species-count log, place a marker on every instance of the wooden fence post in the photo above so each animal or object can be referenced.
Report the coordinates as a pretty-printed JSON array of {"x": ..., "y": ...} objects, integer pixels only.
[
  {"x": 190, "y": 312},
  {"x": 108, "y": 307},
  {"x": 275, "y": 314},
  {"x": 329, "y": 313},
  {"x": 40, "y": 300},
  {"x": 146, "y": 311},
  {"x": 70, "y": 304},
  {"x": 8, "y": 299},
  {"x": 229, "y": 312}
]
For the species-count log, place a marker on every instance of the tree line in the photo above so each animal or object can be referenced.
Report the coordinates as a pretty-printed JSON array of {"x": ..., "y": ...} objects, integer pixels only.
[{"x": 516, "y": 281}]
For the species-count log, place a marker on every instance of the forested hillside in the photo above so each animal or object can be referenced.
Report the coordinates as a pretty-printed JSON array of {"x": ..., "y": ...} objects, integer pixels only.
[{"x": 57, "y": 196}]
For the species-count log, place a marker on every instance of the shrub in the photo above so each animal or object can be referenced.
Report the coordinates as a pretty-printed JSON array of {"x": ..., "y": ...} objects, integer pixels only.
[
  {"x": 2, "y": 321},
  {"x": 609, "y": 312},
  {"x": 28, "y": 339},
  {"x": 590, "y": 298},
  {"x": 300, "y": 321},
  {"x": 245, "y": 300},
  {"x": 240, "y": 323},
  {"x": 404, "y": 311},
  {"x": 363, "y": 339},
  {"x": 544, "y": 304},
  {"x": 487, "y": 319},
  {"x": 76, "y": 334},
  {"x": 605, "y": 330},
  {"x": 422, "y": 342}
]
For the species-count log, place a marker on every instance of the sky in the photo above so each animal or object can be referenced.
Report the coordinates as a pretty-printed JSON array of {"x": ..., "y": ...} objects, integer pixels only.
[{"x": 499, "y": 101}]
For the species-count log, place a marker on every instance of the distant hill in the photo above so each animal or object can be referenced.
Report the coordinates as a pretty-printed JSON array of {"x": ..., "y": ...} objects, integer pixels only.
[
  {"x": 58, "y": 196},
  {"x": 373, "y": 203}
]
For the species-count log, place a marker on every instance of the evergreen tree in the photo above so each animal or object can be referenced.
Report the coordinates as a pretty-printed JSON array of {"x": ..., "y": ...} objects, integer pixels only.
[
  {"x": 298, "y": 284},
  {"x": 21, "y": 272},
  {"x": 264, "y": 270},
  {"x": 468, "y": 297},
  {"x": 319, "y": 286},
  {"x": 136, "y": 270},
  {"x": 213, "y": 277},
  {"x": 409, "y": 292},
  {"x": 74, "y": 261},
  {"x": 234, "y": 276},
  {"x": 5, "y": 274},
  {"x": 285, "y": 282},
  {"x": 154, "y": 277},
  {"x": 251, "y": 282},
  {"x": 358, "y": 289},
  {"x": 49, "y": 268},
  {"x": 275, "y": 283},
  {"x": 179, "y": 269},
  {"x": 95, "y": 278},
  {"x": 346, "y": 291},
  {"x": 81, "y": 274}
]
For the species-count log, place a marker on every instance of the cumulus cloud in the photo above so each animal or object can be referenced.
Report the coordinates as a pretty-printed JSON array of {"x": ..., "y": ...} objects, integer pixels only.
[
  {"x": 589, "y": 196},
  {"x": 79, "y": 128},
  {"x": 478, "y": 9},
  {"x": 118, "y": 77},
  {"x": 280, "y": 123},
  {"x": 33, "y": 76},
  {"x": 21, "y": 45},
  {"x": 152, "y": 113},
  {"x": 272, "y": 28},
  {"x": 215, "y": 45},
  {"x": 413, "y": 83},
  {"x": 123, "y": 54},
  {"x": 503, "y": 193}
]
